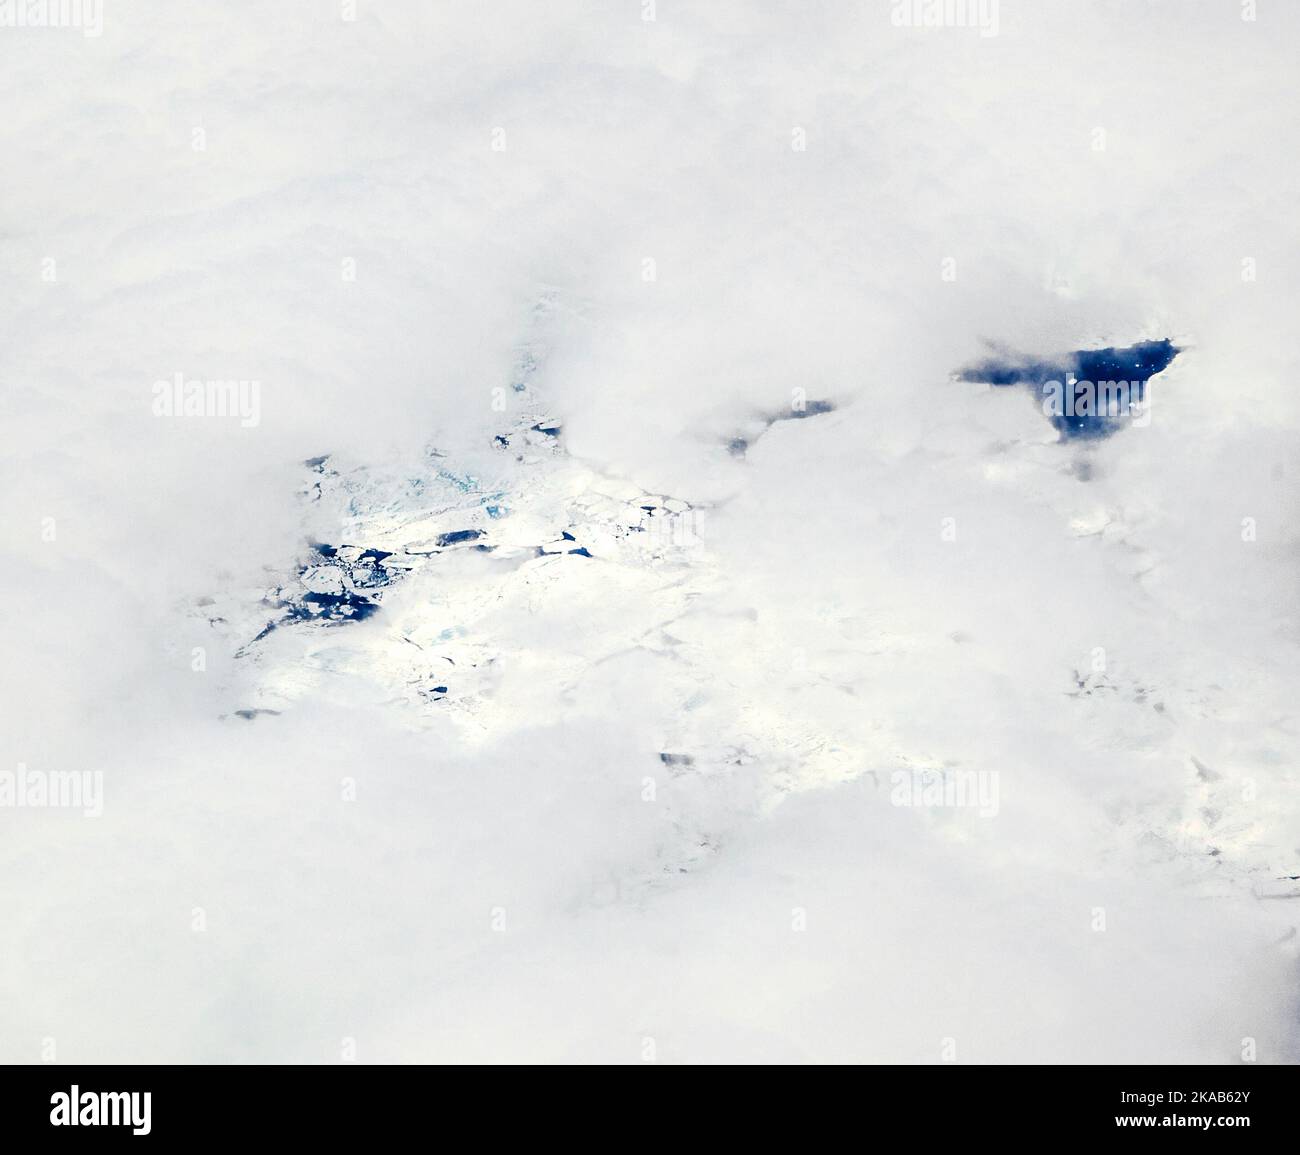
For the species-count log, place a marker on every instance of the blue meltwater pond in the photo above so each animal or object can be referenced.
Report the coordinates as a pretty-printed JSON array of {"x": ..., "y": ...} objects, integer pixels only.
[{"x": 1086, "y": 393}]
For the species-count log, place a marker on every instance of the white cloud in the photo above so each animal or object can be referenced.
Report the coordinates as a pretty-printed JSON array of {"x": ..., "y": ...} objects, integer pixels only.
[{"x": 820, "y": 634}]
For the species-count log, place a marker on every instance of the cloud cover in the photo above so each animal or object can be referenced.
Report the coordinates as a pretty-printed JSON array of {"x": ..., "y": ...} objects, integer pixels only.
[{"x": 837, "y": 632}]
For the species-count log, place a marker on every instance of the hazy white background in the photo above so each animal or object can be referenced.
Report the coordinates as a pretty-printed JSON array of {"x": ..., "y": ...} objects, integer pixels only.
[{"x": 776, "y": 269}]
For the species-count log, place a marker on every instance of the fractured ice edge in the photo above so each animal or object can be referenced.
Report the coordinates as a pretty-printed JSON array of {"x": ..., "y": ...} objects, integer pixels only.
[
  {"x": 444, "y": 581},
  {"x": 539, "y": 510}
]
